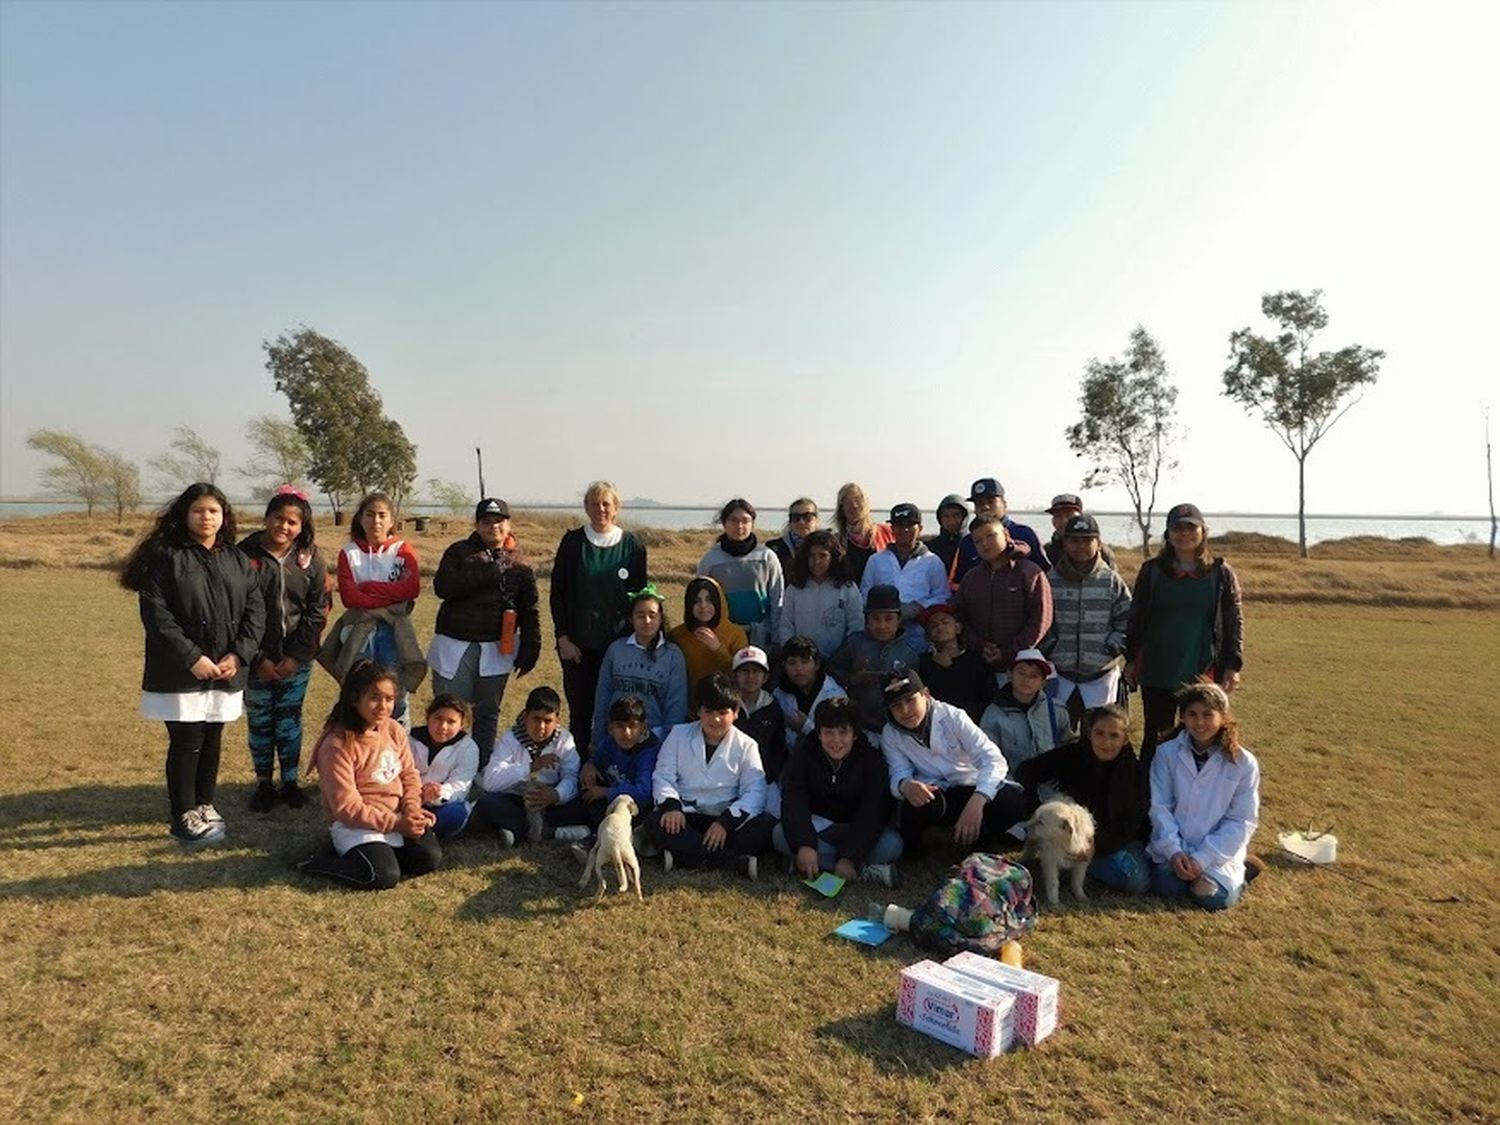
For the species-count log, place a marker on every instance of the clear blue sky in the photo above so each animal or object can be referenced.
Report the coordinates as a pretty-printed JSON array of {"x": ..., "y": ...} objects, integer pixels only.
[{"x": 714, "y": 249}]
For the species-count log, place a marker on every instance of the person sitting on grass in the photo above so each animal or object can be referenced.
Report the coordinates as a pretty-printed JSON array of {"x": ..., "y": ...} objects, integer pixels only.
[
  {"x": 379, "y": 833},
  {"x": 1101, "y": 772},
  {"x": 531, "y": 782},
  {"x": 1205, "y": 804},
  {"x": 643, "y": 663},
  {"x": 760, "y": 715},
  {"x": 943, "y": 769},
  {"x": 709, "y": 789},
  {"x": 447, "y": 757},
  {"x": 954, "y": 674},
  {"x": 862, "y": 665},
  {"x": 620, "y": 766},
  {"x": 1024, "y": 720},
  {"x": 836, "y": 802},
  {"x": 707, "y": 638},
  {"x": 804, "y": 684}
]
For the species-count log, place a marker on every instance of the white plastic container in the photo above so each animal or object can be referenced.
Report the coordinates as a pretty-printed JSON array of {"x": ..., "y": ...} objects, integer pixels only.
[{"x": 1320, "y": 849}]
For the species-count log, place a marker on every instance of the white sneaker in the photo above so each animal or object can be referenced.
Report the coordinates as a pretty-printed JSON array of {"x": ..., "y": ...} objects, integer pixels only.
[
  {"x": 750, "y": 867},
  {"x": 210, "y": 814},
  {"x": 507, "y": 838},
  {"x": 571, "y": 833},
  {"x": 882, "y": 873},
  {"x": 580, "y": 853},
  {"x": 191, "y": 832},
  {"x": 666, "y": 860}
]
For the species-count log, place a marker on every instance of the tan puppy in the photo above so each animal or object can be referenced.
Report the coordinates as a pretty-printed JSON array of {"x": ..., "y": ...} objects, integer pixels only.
[
  {"x": 1060, "y": 834},
  {"x": 614, "y": 846}
]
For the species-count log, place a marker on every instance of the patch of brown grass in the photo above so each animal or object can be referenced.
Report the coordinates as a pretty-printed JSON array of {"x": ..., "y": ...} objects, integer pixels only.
[{"x": 138, "y": 981}]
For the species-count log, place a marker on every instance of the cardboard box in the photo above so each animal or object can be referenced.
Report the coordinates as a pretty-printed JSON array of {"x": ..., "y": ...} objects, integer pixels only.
[
  {"x": 956, "y": 1008},
  {"x": 1035, "y": 1012}
]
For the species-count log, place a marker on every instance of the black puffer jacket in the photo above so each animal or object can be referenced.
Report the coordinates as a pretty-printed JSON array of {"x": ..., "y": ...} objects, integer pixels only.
[
  {"x": 199, "y": 602},
  {"x": 477, "y": 585},
  {"x": 297, "y": 598}
]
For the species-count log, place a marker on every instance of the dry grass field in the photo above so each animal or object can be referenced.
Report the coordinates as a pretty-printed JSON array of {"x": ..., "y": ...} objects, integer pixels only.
[{"x": 140, "y": 982}]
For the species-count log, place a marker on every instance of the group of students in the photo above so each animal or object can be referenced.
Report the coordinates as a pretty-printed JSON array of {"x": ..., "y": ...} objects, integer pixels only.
[{"x": 832, "y": 707}]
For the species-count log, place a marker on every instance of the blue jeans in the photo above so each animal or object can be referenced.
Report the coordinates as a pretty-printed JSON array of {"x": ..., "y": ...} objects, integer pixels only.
[
  {"x": 381, "y": 648},
  {"x": 886, "y": 849},
  {"x": 1124, "y": 870},
  {"x": 451, "y": 817},
  {"x": 484, "y": 692},
  {"x": 1164, "y": 881}
]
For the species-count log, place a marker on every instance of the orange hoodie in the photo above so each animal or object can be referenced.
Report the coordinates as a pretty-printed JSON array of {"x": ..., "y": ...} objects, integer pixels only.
[
  {"x": 368, "y": 780},
  {"x": 700, "y": 659}
]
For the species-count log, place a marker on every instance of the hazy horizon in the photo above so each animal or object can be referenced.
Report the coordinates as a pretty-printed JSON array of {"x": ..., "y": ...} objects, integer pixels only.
[{"x": 763, "y": 248}]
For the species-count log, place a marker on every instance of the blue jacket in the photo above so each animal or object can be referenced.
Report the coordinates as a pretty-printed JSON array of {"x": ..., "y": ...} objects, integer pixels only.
[
  {"x": 656, "y": 676},
  {"x": 628, "y": 772}
]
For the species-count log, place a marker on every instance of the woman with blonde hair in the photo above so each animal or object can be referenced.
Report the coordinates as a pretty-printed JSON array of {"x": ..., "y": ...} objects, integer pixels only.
[
  {"x": 596, "y": 566},
  {"x": 862, "y": 537}
]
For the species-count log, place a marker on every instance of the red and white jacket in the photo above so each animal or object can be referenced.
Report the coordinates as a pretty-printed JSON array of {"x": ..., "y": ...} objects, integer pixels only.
[{"x": 375, "y": 576}]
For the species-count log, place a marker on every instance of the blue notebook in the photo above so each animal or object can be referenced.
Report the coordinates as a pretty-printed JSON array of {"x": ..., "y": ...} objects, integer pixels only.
[{"x": 863, "y": 931}]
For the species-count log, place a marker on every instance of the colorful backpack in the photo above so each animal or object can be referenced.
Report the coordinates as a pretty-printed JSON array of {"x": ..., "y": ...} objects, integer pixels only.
[{"x": 984, "y": 902}]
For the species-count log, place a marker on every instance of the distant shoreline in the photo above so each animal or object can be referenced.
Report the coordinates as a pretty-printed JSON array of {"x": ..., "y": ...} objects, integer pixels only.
[{"x": 526, "y": 505}]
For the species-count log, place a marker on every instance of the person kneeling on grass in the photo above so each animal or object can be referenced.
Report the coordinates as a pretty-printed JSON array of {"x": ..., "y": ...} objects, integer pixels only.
[
  {"x": 1101, "y": 772},
  {"x": 710, "y": 789},
  {"x": 531, "y": 783},
  {"x": 1205, "y": 804},
  {"x": 447, "y": 757},
  {"x": 944, "y": 770},
  {"x": 372, "y": 793},
  {"x": 620, "y": 766},
  {"x": 836, "y": 802}
]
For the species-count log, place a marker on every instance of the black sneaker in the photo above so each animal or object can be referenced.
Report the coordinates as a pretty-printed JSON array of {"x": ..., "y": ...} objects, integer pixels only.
[
  {"x": 292, "y": 795},
  {"x": 264, "y": 797}
]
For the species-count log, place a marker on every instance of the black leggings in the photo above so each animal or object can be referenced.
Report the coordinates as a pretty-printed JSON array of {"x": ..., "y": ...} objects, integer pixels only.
[
  {"x": 192, "y": 764},
  {"x": 378, "y": 866},
  {"x": 1159, "y": 710},
  {"x": 580, "y": 682},
  {"x": 1005, "y": 808}
]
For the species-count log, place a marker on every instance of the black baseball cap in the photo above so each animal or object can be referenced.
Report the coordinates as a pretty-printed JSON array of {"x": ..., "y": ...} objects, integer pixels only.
[
  {"x": 1185, "y": 513},
  {"x": 906, "y": 513},
  {"x": 491, "y": 508},
  {"x": 986, "y": 487},
  {"x": 1082, "y": 526}
]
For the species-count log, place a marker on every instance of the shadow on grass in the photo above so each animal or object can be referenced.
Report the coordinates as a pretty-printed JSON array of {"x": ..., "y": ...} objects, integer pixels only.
[
  {"x": 175, "y": 871},
  {"x": 892, "y": 1049},
  {"x": 81, "y": 808}
]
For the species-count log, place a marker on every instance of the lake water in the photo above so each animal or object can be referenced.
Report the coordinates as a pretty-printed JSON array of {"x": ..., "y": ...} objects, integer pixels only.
[{"x": 1117, "y": 527}]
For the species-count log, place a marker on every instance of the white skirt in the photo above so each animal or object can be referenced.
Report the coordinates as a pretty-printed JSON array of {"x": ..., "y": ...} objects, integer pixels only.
[{"x": 192, "y": 706}]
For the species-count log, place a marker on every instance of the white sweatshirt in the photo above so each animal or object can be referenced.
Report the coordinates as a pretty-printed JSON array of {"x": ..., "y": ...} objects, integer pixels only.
[
  {"x": 958, "y": 753},
  {"x": 732, "y": 778}
]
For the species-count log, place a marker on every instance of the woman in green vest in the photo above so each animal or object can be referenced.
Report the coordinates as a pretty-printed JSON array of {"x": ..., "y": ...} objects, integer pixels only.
[
  {"x": 596, "y": 565},
  {"x": 1186, "y": 621}
]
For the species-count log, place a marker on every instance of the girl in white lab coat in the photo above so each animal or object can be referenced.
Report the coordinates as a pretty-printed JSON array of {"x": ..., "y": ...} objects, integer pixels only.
[{"x": 1205, "y": 803}]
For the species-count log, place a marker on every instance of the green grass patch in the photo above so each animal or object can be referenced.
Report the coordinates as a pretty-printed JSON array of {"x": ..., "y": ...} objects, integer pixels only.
[{"x": 138, "y": 981}]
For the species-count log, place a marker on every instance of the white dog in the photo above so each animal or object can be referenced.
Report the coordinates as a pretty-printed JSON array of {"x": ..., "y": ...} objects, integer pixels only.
[
  {"x": 1061, "y": 834},
  {"x": 615, "y": 847}
]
